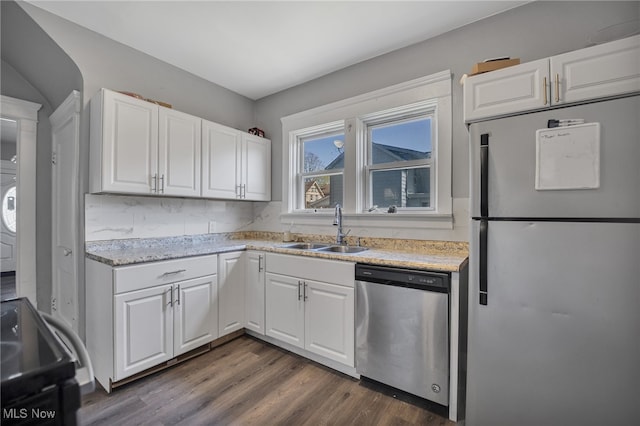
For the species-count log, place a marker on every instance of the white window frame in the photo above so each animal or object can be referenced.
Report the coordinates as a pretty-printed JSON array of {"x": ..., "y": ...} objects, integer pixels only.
[{"x": 354, "y": 113}]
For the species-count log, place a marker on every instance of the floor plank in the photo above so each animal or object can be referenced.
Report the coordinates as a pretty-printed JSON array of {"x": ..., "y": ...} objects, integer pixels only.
[{"x": 250, "y": 382}]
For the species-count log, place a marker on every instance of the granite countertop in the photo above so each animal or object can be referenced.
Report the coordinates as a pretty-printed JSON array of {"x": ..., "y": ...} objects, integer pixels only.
[{"x": 424, "y": 255}]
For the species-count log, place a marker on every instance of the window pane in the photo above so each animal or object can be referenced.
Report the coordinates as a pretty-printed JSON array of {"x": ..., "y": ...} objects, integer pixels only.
[
  {"x": 323, "y": 153},
  {"x": 401, "y": 141},
  {"x": 322, "y": 192},
  {"x": 401, "y": 187}
]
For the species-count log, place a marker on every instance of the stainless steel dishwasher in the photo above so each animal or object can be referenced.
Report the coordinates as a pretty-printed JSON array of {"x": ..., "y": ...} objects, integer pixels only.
[{"x": 402, "y": 329}]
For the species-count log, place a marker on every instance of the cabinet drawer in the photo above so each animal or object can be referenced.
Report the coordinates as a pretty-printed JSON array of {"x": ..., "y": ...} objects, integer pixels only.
[
  {"x": 331, "y": 271},
  {"x": 136, "y": 277}
]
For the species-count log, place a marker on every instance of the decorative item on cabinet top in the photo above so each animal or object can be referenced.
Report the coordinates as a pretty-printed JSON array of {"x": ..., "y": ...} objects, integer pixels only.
[
  {"x": 256, "y": 131},
  {"x": 153, "y": 101}
]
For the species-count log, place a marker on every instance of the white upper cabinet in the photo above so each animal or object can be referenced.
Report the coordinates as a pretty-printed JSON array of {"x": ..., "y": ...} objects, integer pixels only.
[
  {"x": 596, "y": 72},
  {"x": 221, "y": 152},
  {"x": 519, "y": 88},
  {"x": 179, "y": 144},
  {"x": 256, "y": 168},
  {"x": 606, "y": 70},
  {"x": 124, "y": 143},
  {"x": 235, "y": 164},
  {"x": 138, "y": 147}
]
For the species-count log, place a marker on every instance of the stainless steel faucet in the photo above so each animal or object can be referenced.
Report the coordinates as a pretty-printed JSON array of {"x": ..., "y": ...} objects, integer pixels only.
[{"x": 337, "y": 221}]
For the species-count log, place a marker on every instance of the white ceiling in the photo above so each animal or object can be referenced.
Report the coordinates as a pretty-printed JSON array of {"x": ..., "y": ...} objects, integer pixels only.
[{"x": 257, "y": 48}]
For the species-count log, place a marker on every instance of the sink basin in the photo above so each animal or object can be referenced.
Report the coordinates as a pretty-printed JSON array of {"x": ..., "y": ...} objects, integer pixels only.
[
  {"x": 305, "y": 246},
  {"x": 344, "y": 249}
]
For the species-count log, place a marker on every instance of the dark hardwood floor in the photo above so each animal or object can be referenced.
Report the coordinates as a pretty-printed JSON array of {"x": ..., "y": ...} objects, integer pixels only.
[{"x": 247, "y": 381}]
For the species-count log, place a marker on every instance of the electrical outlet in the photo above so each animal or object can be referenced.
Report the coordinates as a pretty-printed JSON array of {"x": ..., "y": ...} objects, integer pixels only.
[{"x": 212, "y": 226}]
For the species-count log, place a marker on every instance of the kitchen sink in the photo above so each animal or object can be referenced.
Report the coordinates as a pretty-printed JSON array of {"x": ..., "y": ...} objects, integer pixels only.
[
  {"x": 319, "y": 247},
  {"x": 305, "y": 246},
  {"x": 344, "y": 249}
]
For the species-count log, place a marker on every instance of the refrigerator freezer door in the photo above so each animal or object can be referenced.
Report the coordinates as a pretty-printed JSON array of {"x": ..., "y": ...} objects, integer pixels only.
[
  {"x": 512, "y": 164},
  {"x": 557, "y": 342}
]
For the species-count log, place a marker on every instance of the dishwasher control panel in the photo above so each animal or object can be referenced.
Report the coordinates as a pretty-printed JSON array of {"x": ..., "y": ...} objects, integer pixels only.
[{"x": 435, "y": 281}]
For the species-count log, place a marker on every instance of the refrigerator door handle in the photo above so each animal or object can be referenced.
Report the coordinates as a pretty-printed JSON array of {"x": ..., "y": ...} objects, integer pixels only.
[
  {"x": 484, "y": 230},
  {"x": 484, "y": 175}
]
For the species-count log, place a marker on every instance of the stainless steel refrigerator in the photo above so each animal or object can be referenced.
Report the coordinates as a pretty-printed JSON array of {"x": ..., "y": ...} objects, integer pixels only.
[{"x": 554, "y": 302}]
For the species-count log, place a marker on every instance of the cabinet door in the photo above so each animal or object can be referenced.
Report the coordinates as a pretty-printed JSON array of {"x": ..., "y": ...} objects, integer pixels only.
[
  {"x": 129, "y": 143},
  {"x": 221, "y": 151},
  {"x": 519, "y": 88},
  {"x": 179, "y": 151},
  {"x": 254, "y": 296},
  {"x": 329, "y": 321},
  {"x": 256, "y": 168},
  {"x": 604, "y": 70},
  {"x": 231, "y": 292},
  {"x": 143, "y": 330},
  {"x": 195, "y": 313},
  {"x": 284, "y": 309}
]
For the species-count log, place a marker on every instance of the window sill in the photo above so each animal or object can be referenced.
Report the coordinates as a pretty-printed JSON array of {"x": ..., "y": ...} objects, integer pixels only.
[{"x": 400, "y": 220}]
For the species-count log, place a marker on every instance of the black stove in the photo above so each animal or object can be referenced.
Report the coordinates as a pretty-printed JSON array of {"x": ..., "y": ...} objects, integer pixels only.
[{"x": 38, "y": 384}]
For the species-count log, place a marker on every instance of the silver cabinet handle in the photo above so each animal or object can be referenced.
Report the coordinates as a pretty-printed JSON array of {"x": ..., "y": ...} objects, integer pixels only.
[
  {"x": 557, "y": 88},
  {"x": 544, "y": 89},
  {"x": 154, "y": 179},
  {"x": 178, "y": 292},
  {"x": 162, "y": 184},
  {"x": 177, "y": 271},
  {"x": 66, "y": 251},
  {"x": 305, "y": 292},
  {"x": 170, "y": 296},
  {"x": 260, "y": 263},
  {"x": 244, "y": 191},
  {"x": 299, "y": 290}
]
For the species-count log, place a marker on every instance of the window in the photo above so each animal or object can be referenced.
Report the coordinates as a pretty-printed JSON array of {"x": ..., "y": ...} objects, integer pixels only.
[
  {"x": 320, "y": 176},
  {"x": 399, "y": 162},
  {"x": 390, "y": 147}
]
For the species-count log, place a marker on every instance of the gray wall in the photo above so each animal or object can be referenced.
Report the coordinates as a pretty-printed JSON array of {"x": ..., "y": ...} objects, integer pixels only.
[{"x": 533, "y": 31}]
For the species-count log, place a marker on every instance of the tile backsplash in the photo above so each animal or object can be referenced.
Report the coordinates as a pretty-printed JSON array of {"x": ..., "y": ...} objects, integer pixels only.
[
  {"x": 112, "y": 217},
  {"x": 109, "y": 217}
]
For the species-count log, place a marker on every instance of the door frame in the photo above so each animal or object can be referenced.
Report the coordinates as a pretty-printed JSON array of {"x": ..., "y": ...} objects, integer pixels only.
[{"x": 25, "y": 113}]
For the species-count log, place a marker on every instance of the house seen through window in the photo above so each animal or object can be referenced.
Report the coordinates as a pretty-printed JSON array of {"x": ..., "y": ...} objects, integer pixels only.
[{"x": 323, "y": 164}]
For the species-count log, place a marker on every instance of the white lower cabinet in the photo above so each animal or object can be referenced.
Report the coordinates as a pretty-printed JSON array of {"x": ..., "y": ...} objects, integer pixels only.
[
  {"x": 254, "y": 291},
  {"x": 156, "y": 324},
  {"x": 231, "y": 297},
  {"x": 143, "y": 315},
  {"x": 318, "y": 316}
]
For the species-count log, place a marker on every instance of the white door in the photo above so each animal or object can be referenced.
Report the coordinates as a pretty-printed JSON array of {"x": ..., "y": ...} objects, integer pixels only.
[
  {"x": 179, "y": 146},
  {"x": 65, "y": 122},
  {"x": 8, "y": 251},
  {"x": 256, "y": 168},
  {"x": 329, "y": 321},
  {"x": 255, "y": 291},
  {"x": 130, "y": 144},
  {"x": 195, "y": 313},
  {"x": 143, "y": 329},
  {"x": 220, "y": 161},
  {"x": 284, "y": 309},
  {"x": 230, "y": 292}
]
